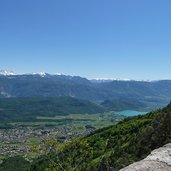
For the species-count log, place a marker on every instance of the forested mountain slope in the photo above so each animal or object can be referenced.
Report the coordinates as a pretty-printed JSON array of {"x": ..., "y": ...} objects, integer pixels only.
[
  {"x": 113, "y": 147},
  {"x": 28, "y": 109},
  {"x": 154, "y": 93}
]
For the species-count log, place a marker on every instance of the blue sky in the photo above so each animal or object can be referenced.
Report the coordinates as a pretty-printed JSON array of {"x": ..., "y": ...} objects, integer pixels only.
[{"x": 90, "y": 38}]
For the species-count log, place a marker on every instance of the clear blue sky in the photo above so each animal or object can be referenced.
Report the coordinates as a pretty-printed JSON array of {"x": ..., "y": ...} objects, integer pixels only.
[{"x": 90, "y": 38}]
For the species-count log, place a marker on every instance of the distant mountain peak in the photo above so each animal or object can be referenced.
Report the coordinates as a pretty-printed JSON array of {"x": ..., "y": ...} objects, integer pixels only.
[
  {"x": 42, "y": 74},
  {"x": 108, "y": 79},
  {"x": 59, "y": 73},
  {"x": 7, "y": 72}
]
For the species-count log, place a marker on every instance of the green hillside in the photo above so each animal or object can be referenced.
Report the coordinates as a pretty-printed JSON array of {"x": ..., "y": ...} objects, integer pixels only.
[
  {"x": 125, "y": 104},
  {"x": 156, "y": 93},
  {"x": 112, "y": 147},
  {"x": 16, "y": 163},
  {"x": 27, "y": 109}
]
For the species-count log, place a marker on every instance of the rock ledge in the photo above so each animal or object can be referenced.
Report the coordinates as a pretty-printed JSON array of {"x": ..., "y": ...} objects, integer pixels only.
[{"x": 158, "y": 160}]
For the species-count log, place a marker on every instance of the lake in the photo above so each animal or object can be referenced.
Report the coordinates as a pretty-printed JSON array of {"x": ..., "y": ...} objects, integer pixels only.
[{"x": 130, "y": 113}]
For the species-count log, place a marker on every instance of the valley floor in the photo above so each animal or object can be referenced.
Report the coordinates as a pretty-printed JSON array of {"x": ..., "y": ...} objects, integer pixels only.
[{"x": 20, "y": 136}]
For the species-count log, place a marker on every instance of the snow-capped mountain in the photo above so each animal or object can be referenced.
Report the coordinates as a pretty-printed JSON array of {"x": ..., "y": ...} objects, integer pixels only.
[
  {"x": 32, "y": 75},
  {"x": 102, "y": 80},
  {"x": 7, "y": 73},
  {"x": 99, "y": 80},
  {"x": 98, "y": 89},
  {"x": 43, "y": 74},
  {"x": 12, "y": 74}
]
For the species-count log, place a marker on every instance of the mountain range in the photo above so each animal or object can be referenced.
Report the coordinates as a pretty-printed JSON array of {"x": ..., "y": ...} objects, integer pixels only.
[{"x": 151, "y": 94}]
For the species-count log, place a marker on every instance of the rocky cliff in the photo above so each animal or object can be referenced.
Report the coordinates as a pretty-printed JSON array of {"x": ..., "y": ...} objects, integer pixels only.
[{"x": 158, "y": 160}]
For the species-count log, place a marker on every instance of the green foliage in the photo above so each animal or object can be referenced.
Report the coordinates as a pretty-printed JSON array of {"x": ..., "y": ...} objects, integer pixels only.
[
  {"x": 16, "y": 163},
  {"x": 124, "y": 104},
  {"x": 58, "y": 156},
  {"x": 27, "y": 109},
  {"x": 113, "y": 147}
]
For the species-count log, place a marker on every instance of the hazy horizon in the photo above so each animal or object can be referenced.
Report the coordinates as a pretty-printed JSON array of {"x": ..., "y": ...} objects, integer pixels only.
[{"x": 89, "y": 78}]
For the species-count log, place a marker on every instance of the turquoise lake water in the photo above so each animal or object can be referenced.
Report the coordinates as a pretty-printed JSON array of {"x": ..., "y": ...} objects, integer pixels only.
[{"x": 130, "y": 113}]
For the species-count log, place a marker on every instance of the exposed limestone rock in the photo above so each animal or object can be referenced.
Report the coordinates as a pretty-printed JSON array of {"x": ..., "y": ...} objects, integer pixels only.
[{"x": 158, "y": 160}]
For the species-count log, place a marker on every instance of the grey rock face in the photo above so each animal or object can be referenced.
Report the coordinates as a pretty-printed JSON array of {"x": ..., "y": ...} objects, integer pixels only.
[{"x": 158, "y": 160}]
